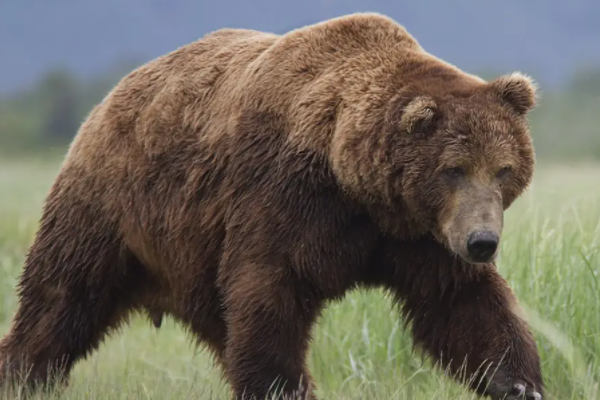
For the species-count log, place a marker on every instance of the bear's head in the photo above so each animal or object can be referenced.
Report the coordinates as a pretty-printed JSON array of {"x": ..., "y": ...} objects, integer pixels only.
[{"x": 445, "y": 162}]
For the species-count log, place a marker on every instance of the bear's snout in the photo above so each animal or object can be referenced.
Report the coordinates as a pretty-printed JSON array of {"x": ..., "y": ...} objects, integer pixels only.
[{"x": 482, "y": 245}]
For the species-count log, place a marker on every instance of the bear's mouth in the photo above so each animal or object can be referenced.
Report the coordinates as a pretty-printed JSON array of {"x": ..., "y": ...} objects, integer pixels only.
[{"x": 479, "y": 259}]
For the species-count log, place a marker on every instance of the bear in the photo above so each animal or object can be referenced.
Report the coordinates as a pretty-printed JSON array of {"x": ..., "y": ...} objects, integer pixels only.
[{"x": 244, "y": 181}]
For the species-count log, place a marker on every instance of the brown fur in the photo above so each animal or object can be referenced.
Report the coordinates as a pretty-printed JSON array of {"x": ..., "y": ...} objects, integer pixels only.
[{"x": 241, "y": 182}]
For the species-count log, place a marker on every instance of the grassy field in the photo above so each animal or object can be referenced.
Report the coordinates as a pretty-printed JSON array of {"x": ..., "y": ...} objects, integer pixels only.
[{"x": 550, "y": 256}]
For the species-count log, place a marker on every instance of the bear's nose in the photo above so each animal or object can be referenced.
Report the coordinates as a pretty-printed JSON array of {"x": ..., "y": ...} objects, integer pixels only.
[{"x": 482, "y": 245}]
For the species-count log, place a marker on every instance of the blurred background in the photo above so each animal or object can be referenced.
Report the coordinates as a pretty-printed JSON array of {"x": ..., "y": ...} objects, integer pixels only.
[{"x": 58, "y": 58}]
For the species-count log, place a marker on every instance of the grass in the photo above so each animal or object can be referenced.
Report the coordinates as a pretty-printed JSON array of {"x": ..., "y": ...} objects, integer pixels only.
[{"x": 550, "y": 256}]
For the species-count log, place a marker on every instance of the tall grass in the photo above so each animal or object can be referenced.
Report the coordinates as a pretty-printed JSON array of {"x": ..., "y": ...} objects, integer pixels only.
[{"x": 550, "y": 256}]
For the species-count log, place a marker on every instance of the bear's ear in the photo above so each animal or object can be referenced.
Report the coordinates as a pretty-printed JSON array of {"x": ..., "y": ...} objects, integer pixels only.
[
  {"x": 419, "y": 116},
  {"x": 517, "y": 90}
]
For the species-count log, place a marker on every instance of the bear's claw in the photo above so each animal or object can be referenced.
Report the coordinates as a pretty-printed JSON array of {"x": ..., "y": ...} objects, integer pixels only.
[
  {"x": 515, "y": 392},
  {"x": 519, "y": 389},
  {"x": 519, "y": 392}
]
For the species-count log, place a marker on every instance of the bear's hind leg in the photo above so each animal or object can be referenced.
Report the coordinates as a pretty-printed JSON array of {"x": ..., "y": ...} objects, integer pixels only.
[{"x": 75, "y": 286}]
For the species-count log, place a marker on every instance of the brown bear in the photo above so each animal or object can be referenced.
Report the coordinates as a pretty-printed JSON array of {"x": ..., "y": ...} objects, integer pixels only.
[{"x": 245, "y": 180}]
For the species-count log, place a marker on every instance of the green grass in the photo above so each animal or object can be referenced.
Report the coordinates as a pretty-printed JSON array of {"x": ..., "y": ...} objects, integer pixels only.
[{"x": 550, "y": 256}]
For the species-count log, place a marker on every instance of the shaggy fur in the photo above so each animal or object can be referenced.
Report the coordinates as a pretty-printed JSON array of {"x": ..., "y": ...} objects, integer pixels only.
[{"x": 241, "y": 182}]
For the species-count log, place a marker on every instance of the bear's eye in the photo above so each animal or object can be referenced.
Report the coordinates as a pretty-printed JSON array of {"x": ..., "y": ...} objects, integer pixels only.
[
  {"x": 454, "y": 172},
  {"x": 504, "y": 171}
]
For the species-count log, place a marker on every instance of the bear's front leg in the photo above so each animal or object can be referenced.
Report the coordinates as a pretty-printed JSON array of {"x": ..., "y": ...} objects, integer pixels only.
[
  {"x": 268, "y": 324},
  {"x": 466, "y": 318}
]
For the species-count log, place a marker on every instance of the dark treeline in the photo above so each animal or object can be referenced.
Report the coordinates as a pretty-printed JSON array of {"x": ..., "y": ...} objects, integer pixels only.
[{"x": 566, "y": 125}]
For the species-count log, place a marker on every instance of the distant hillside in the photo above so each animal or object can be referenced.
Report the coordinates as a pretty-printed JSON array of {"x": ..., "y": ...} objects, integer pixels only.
[{"x": 547, "y": 38}]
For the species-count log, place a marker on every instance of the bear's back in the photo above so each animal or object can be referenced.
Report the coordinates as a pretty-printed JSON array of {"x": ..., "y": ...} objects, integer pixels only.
[
  {"x": 194, "y": 92},
  {"x": 176, "y": 97}
]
